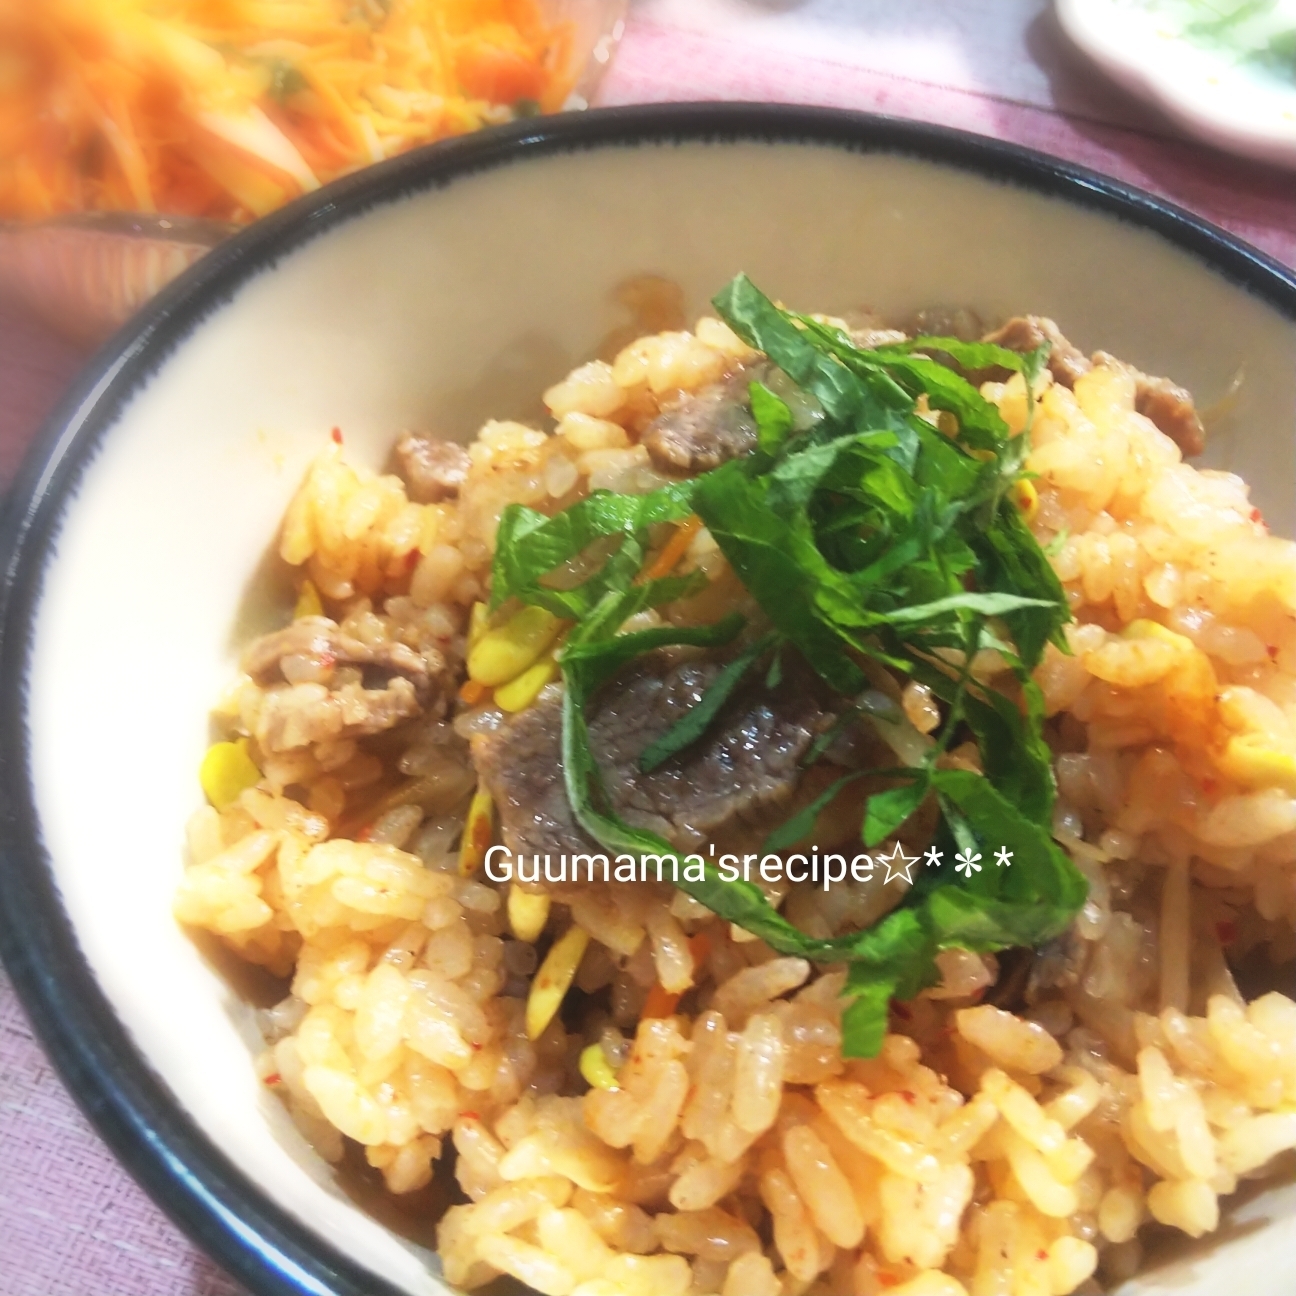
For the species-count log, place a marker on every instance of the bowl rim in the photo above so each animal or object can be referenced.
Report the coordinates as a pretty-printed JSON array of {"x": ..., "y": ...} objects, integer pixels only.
[{"x": 213, "y": 1202}]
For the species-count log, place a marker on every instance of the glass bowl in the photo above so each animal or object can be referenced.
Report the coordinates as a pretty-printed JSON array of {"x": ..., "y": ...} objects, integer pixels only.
[{"x": 86, "y": 273}]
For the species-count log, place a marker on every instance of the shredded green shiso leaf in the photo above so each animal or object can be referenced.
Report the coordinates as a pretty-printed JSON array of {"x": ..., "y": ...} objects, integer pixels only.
[{"x": 867, "y": 535}]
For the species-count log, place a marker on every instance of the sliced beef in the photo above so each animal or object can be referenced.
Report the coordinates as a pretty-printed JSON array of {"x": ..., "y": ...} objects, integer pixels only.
[
  {"x": 708, "y": 427},
  {"x": 1171, "y": 408},
  {"x": 1023, "y": 333},
  {"x": 1167, "y": 404},
  {"x": 742, "y": 771},
  {"x": 1057, "y": 964},
  {"x": 297, "y": 715},
  {"x": 322, "y": 684},
  {"x": 320, "y": 643},
  {"x": 1025, "y": 975},
  {"x": 946, "y": 321},
  {"x": 433, "y": 470}
]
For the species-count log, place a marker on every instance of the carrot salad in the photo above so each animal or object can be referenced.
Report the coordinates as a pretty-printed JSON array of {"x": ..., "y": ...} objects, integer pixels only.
[{"x": 229, "y": 108}]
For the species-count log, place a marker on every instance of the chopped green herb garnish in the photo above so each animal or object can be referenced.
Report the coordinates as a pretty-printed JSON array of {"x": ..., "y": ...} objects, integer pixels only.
[
  {"x": 865, "y": 536},
  {"x": 285, "y": 80},
  {"x": 773, "y": 419},
  {"x": 530, "y": 546}
]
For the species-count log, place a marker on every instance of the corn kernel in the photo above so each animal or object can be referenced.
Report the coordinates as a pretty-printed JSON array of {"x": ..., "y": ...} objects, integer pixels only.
[
  {"x": 1027, "y": 498},
  {"x": 1120, "y": 1212},
  {"x": 519, "y": 693},
  {"x": 478, "y": 620},
  {"x": 554, "y": 979},
  {"x": 504, "y": 653},
  {"x": 596, "y": 1068},
  {"x": 1146, "y": 629},
  {"x": 478, "y": 833},
  {"x": 1070, "y": 1262},
  {"x": 1251, "y": 759},
  {"x": 227, "y": 770},
  {"x": 527, "y": 913},
  {"x": 1186, "y": 1204},
  {"x": 308, "y": 602}
]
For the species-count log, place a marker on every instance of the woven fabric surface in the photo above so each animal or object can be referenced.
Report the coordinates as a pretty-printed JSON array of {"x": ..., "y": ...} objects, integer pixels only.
[{"x": 72, "y": 1222}]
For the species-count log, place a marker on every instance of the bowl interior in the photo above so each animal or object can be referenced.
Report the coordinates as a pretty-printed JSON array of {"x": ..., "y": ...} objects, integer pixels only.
[{"x": 436, "y": 310}]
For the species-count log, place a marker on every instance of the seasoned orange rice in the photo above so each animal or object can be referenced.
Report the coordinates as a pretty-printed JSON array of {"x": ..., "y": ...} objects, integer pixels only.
[{"x": 722, "y": 1146}]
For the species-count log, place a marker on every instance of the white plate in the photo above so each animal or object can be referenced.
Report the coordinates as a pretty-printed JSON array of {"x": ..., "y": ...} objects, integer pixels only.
[{"x": 1210, "y": 94}]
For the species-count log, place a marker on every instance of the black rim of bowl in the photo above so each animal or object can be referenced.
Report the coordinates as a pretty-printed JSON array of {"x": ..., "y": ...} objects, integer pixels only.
[{"x": 228, "y": 1215}]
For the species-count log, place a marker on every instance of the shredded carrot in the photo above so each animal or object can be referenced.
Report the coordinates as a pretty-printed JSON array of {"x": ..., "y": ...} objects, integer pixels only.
[
  {"x": 661, "y": 1002},
  {"x": 489, "y": 71},
  {"x": 675, "y": 549},
  {"x": 472, "y": 691},
  {"x": 227, "y": 109}
]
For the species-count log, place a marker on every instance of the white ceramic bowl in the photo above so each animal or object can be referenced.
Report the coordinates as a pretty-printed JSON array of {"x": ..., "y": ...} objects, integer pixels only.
[{"x": 434, "y": 291}]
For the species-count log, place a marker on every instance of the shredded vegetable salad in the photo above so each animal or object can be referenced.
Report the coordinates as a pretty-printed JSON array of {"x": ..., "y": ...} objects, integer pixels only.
[
  {"x": 229, "y": 108},
  {"x": 1260, "y": 34}
]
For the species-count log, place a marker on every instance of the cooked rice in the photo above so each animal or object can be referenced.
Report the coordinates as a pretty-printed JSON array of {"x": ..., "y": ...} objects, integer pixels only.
[{"x": 740, "y": 1154}]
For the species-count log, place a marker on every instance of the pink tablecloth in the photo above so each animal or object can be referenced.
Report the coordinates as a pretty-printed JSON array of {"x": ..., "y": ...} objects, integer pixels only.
[{"x": 71, "y": 1222}]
